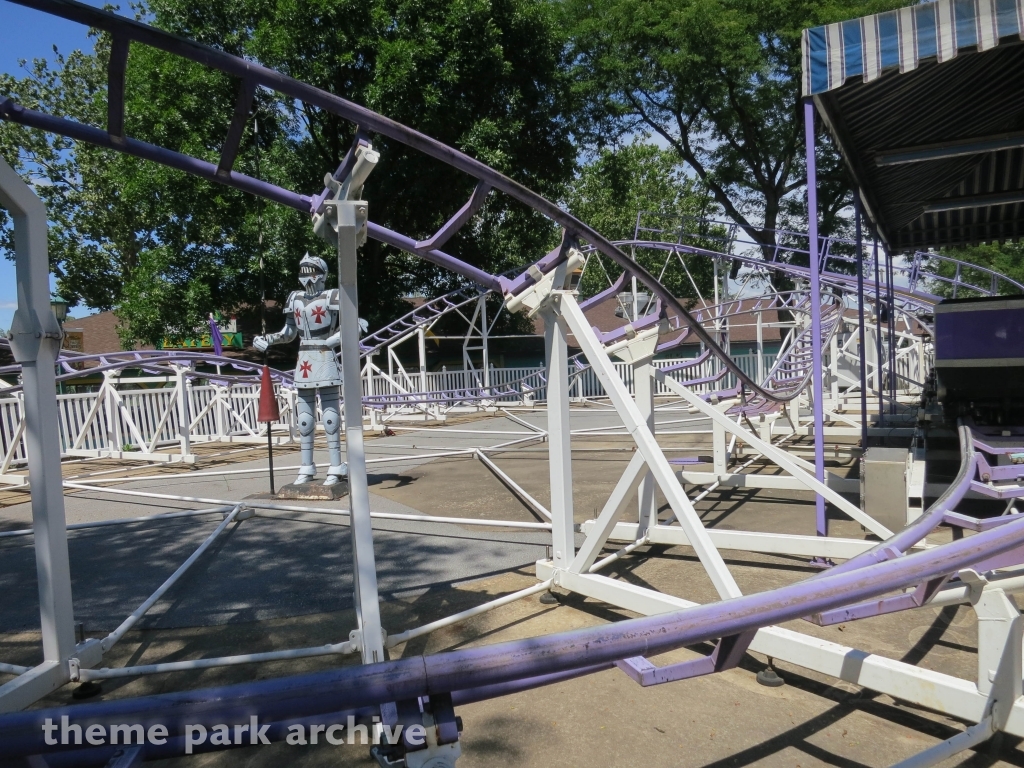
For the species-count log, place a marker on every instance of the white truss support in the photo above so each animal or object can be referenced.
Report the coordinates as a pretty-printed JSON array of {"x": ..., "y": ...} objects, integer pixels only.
[
  {"x": 90, "y": 417},
  {"x": 755, "y": 480},
  {"x": 347, "y": 219},
  {"x": 970, "y": 737},
  {"x": 647, "y": 445},
  {"x": 999, "y": 671},
  {"x": 924, "y": 687},
  {"x": 760, "y": 348},
  {"x": 545, "y": 285},
  {"x": 563, "y": 540},
  {"x": 423, "y": 407},
  {"x": 833, "y": 371},
  {"x": 744, "y": 541},
  {"x": 793, "y": 414},
  {"x": 35, "y": 341},
  {"x": 639, "y": 351},
  {"x": 512, "y": 485},
  {"x": 719, "y": 454},
  {"x": 28, "y": 688},
  {"x": 999, "y": 645},
  {"x": 421, "y": 348},
  {"x": 231, "y": 414},
  {"x": 477, "y": 331},
  {"x": 643, "y": 382},
  {"x": 634, "y": 598},
  {"x": 598, "y": 530},
  {"x": 779, "y": 456}
]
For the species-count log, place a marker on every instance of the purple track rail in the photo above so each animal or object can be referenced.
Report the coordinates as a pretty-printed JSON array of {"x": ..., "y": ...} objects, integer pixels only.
[
  {"x": 288, "y": 699},
  {"x": 496, "y": 669}
]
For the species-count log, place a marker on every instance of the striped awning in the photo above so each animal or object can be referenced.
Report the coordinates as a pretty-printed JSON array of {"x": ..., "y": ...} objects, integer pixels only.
[{"x": 869, "y": 46}]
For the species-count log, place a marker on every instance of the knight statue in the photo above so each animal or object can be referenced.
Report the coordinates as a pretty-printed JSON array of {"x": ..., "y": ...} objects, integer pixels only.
[{"x": 313, "y": 315}]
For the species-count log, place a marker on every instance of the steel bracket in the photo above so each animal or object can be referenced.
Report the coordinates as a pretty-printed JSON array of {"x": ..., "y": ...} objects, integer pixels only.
[
  {"x": 638, "y": 347},
  {"x": 546, "y": 284}
]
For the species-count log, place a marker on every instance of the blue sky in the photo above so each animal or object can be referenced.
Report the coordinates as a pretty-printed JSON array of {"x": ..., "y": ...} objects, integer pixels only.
[{"x": 29, "y": 34}]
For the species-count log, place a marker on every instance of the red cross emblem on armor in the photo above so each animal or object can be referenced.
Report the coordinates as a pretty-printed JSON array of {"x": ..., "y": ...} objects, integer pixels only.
[
  {"x": 318, "y": 314},
  {"x": 305, "y": 368},
  {"x": 298, "y": 315}
]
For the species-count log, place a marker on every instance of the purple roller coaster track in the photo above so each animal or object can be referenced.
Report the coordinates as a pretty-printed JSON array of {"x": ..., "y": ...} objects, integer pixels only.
[{"x": 738, "y": 406}]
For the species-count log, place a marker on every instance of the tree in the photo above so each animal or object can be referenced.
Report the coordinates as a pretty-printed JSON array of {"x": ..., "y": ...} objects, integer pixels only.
[
  {"x": 718, "y": 81},
  {"x": 486, "y": 76},
  {"x": 615, "y": 186},
  {"x": 1005, "y": 258}
]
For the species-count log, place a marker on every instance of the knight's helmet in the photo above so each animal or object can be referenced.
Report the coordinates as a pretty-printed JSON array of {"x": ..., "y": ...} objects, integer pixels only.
[{"x": 312, "y": 273}]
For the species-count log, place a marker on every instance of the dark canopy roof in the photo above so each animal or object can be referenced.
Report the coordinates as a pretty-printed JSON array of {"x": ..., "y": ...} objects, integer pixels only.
[{"x": 932, "y": 130}]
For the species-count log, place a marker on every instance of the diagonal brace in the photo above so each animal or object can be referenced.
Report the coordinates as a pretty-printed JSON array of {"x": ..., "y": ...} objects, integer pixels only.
[
  {"x": 777, "y": 455},
  {"x": 243, "y": 105}
]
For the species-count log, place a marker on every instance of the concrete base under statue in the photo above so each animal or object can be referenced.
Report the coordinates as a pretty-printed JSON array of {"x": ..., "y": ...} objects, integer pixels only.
[{"x": 313, "y": 491}]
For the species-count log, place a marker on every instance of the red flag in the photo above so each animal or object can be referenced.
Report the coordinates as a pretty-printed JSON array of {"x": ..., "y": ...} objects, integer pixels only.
[{"x": 268, "y": 402}]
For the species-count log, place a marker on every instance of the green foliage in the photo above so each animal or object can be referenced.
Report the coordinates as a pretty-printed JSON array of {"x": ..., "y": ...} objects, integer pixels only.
[
  {"x": 1006, "y": 259},
  {"x": 615, "y": 186},
  {"x": 164, "y": 249},
  {"x": 719, "y": 82}
]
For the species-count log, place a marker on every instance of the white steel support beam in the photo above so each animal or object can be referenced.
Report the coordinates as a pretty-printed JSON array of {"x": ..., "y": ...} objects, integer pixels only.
[
  {"x": 755, "y": 480},
  {"x": 779, "y": 456},
  {"x": 647, "y": 445},
  {"x": 350, "y": 217},
  {"x": 35, "y": 340},
  {"x": 421, "y": 350},
  {"x": 924, "y": 687},
  {"x": 600, "y": 529},
  {"x": 643, "y": 386},
  {"x": 638, "y": 351},
  {"x": 744, "y": 541},
  {"x": 563, "y": 542}
]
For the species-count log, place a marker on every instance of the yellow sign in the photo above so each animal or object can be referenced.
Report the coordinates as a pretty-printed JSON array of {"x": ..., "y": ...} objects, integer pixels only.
[{"x": 74, "y": 341}]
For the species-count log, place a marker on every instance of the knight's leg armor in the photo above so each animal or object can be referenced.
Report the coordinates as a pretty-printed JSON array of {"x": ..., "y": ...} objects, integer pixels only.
[
  {"x": 307, "y": 428},
  {"x": 332, "y": 426}
]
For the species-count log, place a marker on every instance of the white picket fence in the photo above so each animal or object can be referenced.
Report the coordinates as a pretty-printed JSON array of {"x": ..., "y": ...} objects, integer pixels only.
[{"x": 124, "y": 420}]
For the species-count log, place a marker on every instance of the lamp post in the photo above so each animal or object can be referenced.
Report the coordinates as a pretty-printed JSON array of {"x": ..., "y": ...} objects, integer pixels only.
[{"x": 59, "y": 305}]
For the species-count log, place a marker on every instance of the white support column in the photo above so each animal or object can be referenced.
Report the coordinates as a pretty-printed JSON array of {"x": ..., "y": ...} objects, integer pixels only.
[
  {"x": 345, "y": 221},
  {"x": 563, "y": 543},
  {"x": 793, "y": 411},
  {"x": 795, "y": 467},
  {"x": 760, "y": 348},
  {"x": 605, "y": 524},
  {"x": 719, "y": 451},
  {"x": 648, "y": 446},
  {"x": 35, "y": 341},
  {"x": 833, "y": 370},
  {"x": 643, "y": 386},
  {"x": 364, "y": 564},
  {"x": 999, "y": 645},
  {"x": 421, "y": 342},
  {"x": 484, "y": 350}
]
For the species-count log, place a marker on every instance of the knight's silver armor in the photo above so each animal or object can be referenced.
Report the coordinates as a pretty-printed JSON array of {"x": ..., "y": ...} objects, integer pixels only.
[{"x": 312, "y": 315}]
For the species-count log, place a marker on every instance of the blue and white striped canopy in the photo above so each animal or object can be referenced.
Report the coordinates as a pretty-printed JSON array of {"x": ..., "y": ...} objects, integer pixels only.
[{"x": 870, "y": 45}]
